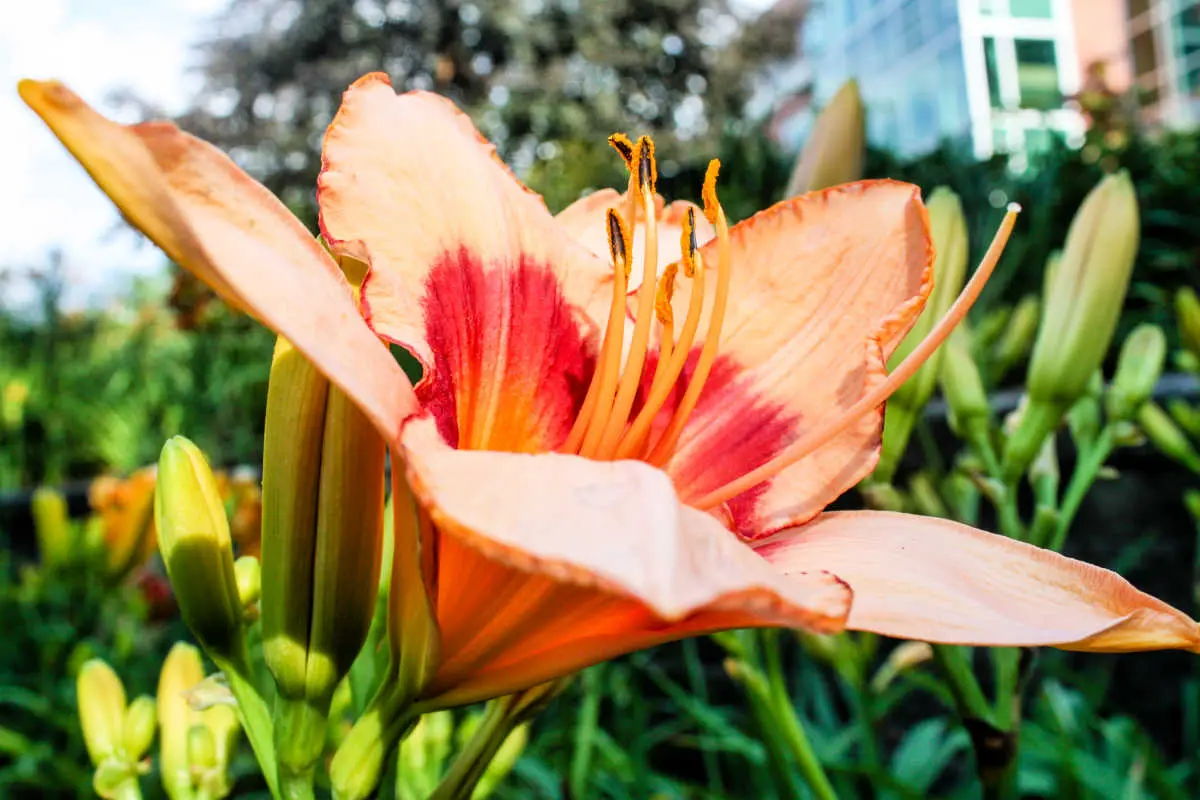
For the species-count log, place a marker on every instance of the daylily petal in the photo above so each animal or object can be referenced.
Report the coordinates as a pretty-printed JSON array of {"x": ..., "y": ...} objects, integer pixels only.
[
  {"x": 941, "y": 581},
  {"x": 824, "y": 288},
  {"x": 214, "y": 220},
  {"x": 579, "y": 561},
  {"x": 467, "y": 268},
  {"x": 585, "y": 221}
]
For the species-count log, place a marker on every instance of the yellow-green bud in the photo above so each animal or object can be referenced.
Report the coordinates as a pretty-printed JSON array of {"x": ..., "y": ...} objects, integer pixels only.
[
  {"x": 903, "y": 657},
  {"x": 925, "y": 497},
  {"x": 949, "y": 230},
  {"x": 1186, "y": 415},
  {"x": 249, "y": 580},
  {"x": 101, "y": 698},
  {"x": 1138, "y": 369},
  {"x": 113, "y": 779},
  {"x": 181, "y": 672},
  {"x": 962, "y": 384},
  {"x": 1187, "y": 314},
  {"x": 322, "y": 531},
  {"x": 193, "y": 536},
  {"x": 835, "y": 149},
  {"x": 1017, "y": 338},
  {"x": 1162, "y": 431},
  {"x": 1083, "y": 304},
  {"x": 201, "y": 750},
  {"x": 12, "y": 404},
  {"x": 422, "y": 756},
  {"x": 1084, "y": 418},
  {"x": 137, "y": 730},
  {"x": 52, "y": 525}
]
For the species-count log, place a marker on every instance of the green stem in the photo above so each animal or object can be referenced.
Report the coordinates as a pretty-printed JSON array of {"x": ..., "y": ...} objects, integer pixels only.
[
  {"x": 472, "y": 761},
  {"x": 968, "y": 695},
  {"x": 252, "y": 709},
  {"x": 980, "y": 441},
  {"x": 1087, "y": 469},
  {"x": 128, "y": 790},
  {"x": 794, "y": 735}
]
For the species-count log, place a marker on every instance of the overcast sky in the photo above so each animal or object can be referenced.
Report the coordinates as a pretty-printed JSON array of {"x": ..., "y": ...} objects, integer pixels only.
[{"x": 95, "y": 46}]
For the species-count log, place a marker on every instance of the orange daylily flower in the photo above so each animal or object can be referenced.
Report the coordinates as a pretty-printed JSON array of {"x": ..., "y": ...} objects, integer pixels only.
[
  {"x": 602, "y": 462},
  {"x": 126, "y": 511}
]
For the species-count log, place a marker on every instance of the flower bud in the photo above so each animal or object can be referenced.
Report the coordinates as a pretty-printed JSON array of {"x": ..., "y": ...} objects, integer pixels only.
[
  {"x": 949, "y": 230},
  {"x": 1018, "y": 334},
  {"x": 1138, "y": 369},
  {"x": 422, "y": 756},
  {"x": 201, "y": 750},
  {"x": 249, "y": 580},
  {"x": 114, "y": 779},
  {"x": 194, "y": 539},
  {"x": 925, "y": 497},
  {"x": 903, "y": 657},
  {"x": 1187, "y": 314},
  {"x": 835, "y": 149},
  {"x": 962, "y": 384},
  {"x": 101, "y": 699},
  {"x": 1083, "y": 304},
  {"x": 137, "y": 729},
  {"x": 52, "y": 525},
  {"x": 322, "y": 532},
  {"x": 181, "y": 672},
  {"x": 12, "y": 404},
  {"x": 1162, "y": 431},
  {"x": 503, "y": 762}
]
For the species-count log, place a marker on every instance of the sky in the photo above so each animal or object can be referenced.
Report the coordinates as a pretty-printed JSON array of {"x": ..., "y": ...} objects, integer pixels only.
[{"x": 95, "y": 47}]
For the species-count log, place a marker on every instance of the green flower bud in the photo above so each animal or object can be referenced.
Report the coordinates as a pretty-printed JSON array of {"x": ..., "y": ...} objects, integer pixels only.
[
  {"x": 137, "y": 730},
  {"x": 962, "y": 384},
  {"x": 1017, "y": 338},
  {"x": 193, "y": 536},
  {"x": 1138, "y": 369},
  {"x": 201, "y": 750},
  {"x": 1187, "y": 314},
  {"x": 835, "y": 149},
  {"x": 1083, "y": 304},
  {"x": 101, "y": 698},
  {"x": 114, "y": 779},
  {"x": 181, "y": 672},
  {"x": 925, "y": 497},
  {"x": 503, "y": 762},
  {"x": 248, "y": 574},
  {"x": 322, "y": 532},
  {"x": 1162, "y": 431},
  {"x": 949, "y": 230},
  {"x": 52, "y": 525}
]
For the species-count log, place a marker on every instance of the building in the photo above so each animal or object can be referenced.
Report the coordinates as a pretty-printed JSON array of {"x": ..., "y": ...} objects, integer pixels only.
[{"x": 991, "y": 75}]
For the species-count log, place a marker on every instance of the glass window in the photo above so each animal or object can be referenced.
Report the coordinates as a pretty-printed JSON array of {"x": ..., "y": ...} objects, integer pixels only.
[
  {"x": 1037, "y": 74},
  {"x": 1040, "y": 9},
  {"x": 993, "y": 72},
  {"x": 1145, "y": 53}
]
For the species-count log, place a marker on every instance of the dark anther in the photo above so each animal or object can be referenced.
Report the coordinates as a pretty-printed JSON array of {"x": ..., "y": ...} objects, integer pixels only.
[{"x": 616, "y": 237}]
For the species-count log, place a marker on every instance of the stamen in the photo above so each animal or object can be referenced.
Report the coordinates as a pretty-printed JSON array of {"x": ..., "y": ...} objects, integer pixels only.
[
  {"x": 665, "y": 448},
  {"x": 603, "y": 446},
  {"x": 608, "y": 360},
  {"x": 664, "y": 379},
  {"x": 666, "y": 319},
  {"x": 819, "y": 437},
  {"x": 624, "y": 147}
]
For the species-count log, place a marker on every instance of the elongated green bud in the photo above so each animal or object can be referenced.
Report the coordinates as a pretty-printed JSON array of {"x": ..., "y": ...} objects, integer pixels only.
[
  {"x": 949, "y": 270},
  {"x": 101, "y": 698},
  {"x": 323, "y": 497},
  {"x": 137, "y": 729},
  {"x": 181, "y": 672},
  {"x": 962, "y": 385},
  {"x": 1138, "y": 369},
  {"x": 835, "y": 150},
  {"x": 503, "y": 762},
  {"x": 1187, "y": 314},
  {"x": 249, "y": 580},
  {"x": 193, "y": 536},
  {"x": 52, "y": 525},
  {"x": 1083, "y": 304},
  {"x": 1018, "y": 335},
  {"x": 1164, "y": 434}
]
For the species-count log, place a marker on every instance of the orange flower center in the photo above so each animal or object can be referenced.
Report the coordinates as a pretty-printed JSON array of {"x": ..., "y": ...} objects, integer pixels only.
[{"x": 604, "y": 429}]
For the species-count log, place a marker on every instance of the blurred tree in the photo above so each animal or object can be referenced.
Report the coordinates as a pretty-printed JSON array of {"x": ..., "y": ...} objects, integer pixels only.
[{"x": 546, "y": 80}]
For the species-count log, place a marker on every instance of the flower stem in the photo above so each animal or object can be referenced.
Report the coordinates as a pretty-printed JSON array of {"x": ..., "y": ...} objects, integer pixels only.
[
  {"x": 252, "y": 709},
  {"x": 1087, "y": 469},
  {"x": 784, "y": 713}
]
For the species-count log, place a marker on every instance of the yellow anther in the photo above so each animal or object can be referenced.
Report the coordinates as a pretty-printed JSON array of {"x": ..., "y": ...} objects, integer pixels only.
[
  {"x": 624, "y": 146},
  {"x": 666, "y": 290},
  {"x": 618, "y": 238},
  {"x": 711, "y": 205},
  {"x": 647, "y": 168},
  {"x": 687, "y": 243}
]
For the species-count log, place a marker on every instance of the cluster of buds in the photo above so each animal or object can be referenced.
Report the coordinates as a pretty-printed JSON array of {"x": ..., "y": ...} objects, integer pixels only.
[
  {"x": 117, "y": 735},
  {"x": 1084, "y": 297}
]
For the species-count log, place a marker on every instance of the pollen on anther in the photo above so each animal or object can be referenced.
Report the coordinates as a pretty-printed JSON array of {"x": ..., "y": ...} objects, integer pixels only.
[
  {"x": 624, "y": 146},
  {"x": 666, "y": 291},
  {"x": 687, "y": 243},
  {"x": 647, "y": 166},
  {"x": 709, "y": 194},
  {"x": 617, "y": 236}
]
